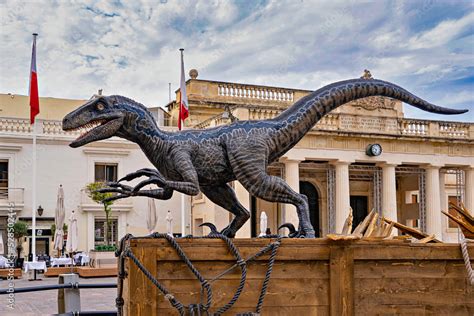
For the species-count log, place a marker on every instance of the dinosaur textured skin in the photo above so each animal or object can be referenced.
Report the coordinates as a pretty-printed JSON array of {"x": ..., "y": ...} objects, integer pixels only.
[{"x": 207, "y": 160}]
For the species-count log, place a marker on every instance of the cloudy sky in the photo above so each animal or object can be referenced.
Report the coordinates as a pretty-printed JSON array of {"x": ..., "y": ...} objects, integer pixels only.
[{"x": 131, "y": 47}]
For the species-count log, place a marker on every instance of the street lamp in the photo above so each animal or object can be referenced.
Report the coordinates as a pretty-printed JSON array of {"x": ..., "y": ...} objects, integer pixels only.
[{"x": 40, "y": 210}]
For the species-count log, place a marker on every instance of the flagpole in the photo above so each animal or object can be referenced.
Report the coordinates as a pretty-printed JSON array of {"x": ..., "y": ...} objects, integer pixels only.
[
  {"x": 33, "y": 203},
  {"x": 183, "y": 213},
  {"x": 33, "y": 200}
]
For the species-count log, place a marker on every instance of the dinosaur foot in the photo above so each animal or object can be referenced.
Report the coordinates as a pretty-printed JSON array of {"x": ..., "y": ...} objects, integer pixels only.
[
  {"x": 293, "y": 232},
  {"x": 300, "y": 233},
  {"x": 211, "y": 226}
]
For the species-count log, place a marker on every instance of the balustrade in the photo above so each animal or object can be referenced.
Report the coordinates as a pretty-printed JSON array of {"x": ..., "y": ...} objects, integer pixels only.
[
  {"x": 330, "y": 122},
  {"x": 254, "y": 92}
]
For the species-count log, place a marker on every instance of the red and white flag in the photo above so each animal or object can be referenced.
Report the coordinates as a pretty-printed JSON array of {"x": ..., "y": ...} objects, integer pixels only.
[
  {"x": 183, "y": 99},
  {"x": 34, "y": 98}
]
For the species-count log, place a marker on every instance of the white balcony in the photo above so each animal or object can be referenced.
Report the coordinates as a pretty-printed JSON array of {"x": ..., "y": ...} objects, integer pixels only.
[{"x": 11, "y": 199}]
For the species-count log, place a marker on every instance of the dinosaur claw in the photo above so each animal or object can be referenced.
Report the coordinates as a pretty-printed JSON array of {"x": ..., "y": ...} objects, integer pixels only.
[
  {"x": 291, "y": 228},
  {"x": 211, "y": 226}
]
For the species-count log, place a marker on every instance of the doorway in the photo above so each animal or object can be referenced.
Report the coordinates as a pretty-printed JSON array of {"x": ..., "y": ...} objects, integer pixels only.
[
  {"x": 359, "y": 204},
  {"x": 308, "y": 189}
]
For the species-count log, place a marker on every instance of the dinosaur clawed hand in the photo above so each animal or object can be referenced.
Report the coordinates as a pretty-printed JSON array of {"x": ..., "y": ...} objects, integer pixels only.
[
  {"x": 121, "y": 191},
  {"x": 125, "y": 191},
  {"x": 154, "y": 177}
]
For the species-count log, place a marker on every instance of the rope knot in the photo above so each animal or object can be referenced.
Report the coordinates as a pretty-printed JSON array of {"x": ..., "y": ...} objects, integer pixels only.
[
  {"x": 241, "y": 262},
  {"x": 119, "y": 301}
]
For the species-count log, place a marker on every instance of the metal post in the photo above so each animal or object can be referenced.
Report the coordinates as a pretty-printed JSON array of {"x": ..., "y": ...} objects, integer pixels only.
[
  {"x": 69, "y": 300},
  {"x": 422, "y": 201}
]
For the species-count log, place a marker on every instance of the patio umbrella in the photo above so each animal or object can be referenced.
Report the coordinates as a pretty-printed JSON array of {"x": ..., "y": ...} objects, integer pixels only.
[
  {"x": 151, "y": 218},
  {"x": 59, "y": 220},
  {"x": 72, "y": 234}
]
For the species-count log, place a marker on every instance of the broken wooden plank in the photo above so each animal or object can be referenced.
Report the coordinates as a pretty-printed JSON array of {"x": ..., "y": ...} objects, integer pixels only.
[
  {"x": 409, "y": 230},
  {"x": 467, "y": 230},
  {"x": 347, "y": 228},
  {"x": 360, "y": 229},
  {"x": 372, "y": 225}
]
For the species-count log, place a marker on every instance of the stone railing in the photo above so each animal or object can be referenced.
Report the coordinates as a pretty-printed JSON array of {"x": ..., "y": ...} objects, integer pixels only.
[
  {"x": 235, "y": 90},
  {"x": 330, "y": 122},
  {"x": 367, "y": 124},
  {"x": 56, "y": 128},
  {"x": 414, "y": 127},
  {"x": 15, "y": 125},
  {"x": 262, "y": 114},
  {"x": 12, "y": 195},
  {"x": 454, "y": 130}
]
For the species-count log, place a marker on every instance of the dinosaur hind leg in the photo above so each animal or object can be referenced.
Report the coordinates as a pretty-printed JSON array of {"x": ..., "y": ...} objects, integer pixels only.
[
  {"x": 249, "y": 166},
  {"x": 224, "y": 196}
]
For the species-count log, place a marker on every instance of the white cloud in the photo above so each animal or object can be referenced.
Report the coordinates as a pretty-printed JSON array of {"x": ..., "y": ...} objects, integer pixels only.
[
  {"x": 442, "y": 33},
  {"x": 131, "y": 47}
]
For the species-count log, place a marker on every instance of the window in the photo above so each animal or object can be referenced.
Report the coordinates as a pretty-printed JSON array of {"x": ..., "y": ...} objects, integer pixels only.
[
  {"x": 3, "y": 179},
  {"x": 99, "y": 231},
  {"x": 105, "y": 172},
  {"x": 452, "y": 199}
]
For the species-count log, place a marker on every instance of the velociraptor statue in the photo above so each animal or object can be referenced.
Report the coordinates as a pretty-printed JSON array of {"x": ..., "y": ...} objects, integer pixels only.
[{"x": 207, "y": 160}]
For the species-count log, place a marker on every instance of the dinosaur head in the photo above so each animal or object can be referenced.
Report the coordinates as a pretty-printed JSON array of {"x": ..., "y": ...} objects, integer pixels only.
[{"x": 105, "y": 116}]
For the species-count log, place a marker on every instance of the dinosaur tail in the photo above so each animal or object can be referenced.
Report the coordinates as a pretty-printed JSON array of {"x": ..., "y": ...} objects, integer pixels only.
[{"x": 298, "y": 119}]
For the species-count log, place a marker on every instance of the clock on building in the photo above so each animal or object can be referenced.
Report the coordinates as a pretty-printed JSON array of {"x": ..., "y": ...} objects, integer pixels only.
[{"x": 373, "y": 150}]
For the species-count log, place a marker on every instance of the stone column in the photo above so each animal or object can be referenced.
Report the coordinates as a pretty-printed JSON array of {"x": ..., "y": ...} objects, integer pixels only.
[
  {"x": 389, "y": 193},
  {"x": 443, "y": 201},
  {"x": 469, "y": 189},
  {"x": 433, "y": 207},
  {"x": 292, "y": 178},
  {"x": 244, "y": 198},
  {"x": 342, "y": 193}
]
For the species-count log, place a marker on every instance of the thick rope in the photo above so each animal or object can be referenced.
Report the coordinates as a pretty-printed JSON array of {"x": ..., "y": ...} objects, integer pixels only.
[
  {"x": 271, "y": 261},
  {"x": 467, "y": 261}
]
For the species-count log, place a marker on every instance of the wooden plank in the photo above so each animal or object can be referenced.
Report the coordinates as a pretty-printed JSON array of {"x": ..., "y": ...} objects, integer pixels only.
[
  {"x": 4, "y": 273},
  {"x": 409, "y": 251},
  {"x": 267, "y": 311},
  {"x": 409, "y": 269},
  {"x": 298, "y": 292},
  {"x": 341, "y": 271},
  {"x": 360, "y": 229},
  {"x": 171, "y": 270},
  {"x": 409, "y": 230},
  {"x": 212, "y": 249},
  {"x": 89, "y": 272}
]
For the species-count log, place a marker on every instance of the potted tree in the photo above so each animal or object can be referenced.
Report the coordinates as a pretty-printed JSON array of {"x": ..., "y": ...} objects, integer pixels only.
[
  {"x": 106, "y": 251},
  {"x": 20, "y": 230}
]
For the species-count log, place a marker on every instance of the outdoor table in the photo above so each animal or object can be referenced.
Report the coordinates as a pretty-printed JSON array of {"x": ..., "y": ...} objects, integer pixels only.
[
  {"x": 3, "y": 262},
  {"x": 35, "y": 265},
  {"x": 61, "y": 261},
  {"x": 85, "y": 259}
]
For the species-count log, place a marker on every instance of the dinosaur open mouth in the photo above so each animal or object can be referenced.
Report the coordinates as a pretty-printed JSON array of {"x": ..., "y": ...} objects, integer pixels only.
[{"x": 95, "y": 130}]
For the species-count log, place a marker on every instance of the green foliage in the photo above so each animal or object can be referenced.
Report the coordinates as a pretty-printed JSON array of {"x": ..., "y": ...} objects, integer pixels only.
[
  {"x": 100, "y": 198},
  {"x": 20, "y": 229},
  {"x": 105, "y": 248}
]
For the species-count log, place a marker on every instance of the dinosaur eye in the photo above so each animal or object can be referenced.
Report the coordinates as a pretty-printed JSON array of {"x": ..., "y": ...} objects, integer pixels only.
[{"x": 100, "y": 106}]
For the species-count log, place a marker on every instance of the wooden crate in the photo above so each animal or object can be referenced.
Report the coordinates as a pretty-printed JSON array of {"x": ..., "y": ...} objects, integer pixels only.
[{"x": 310, "y": 277}]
